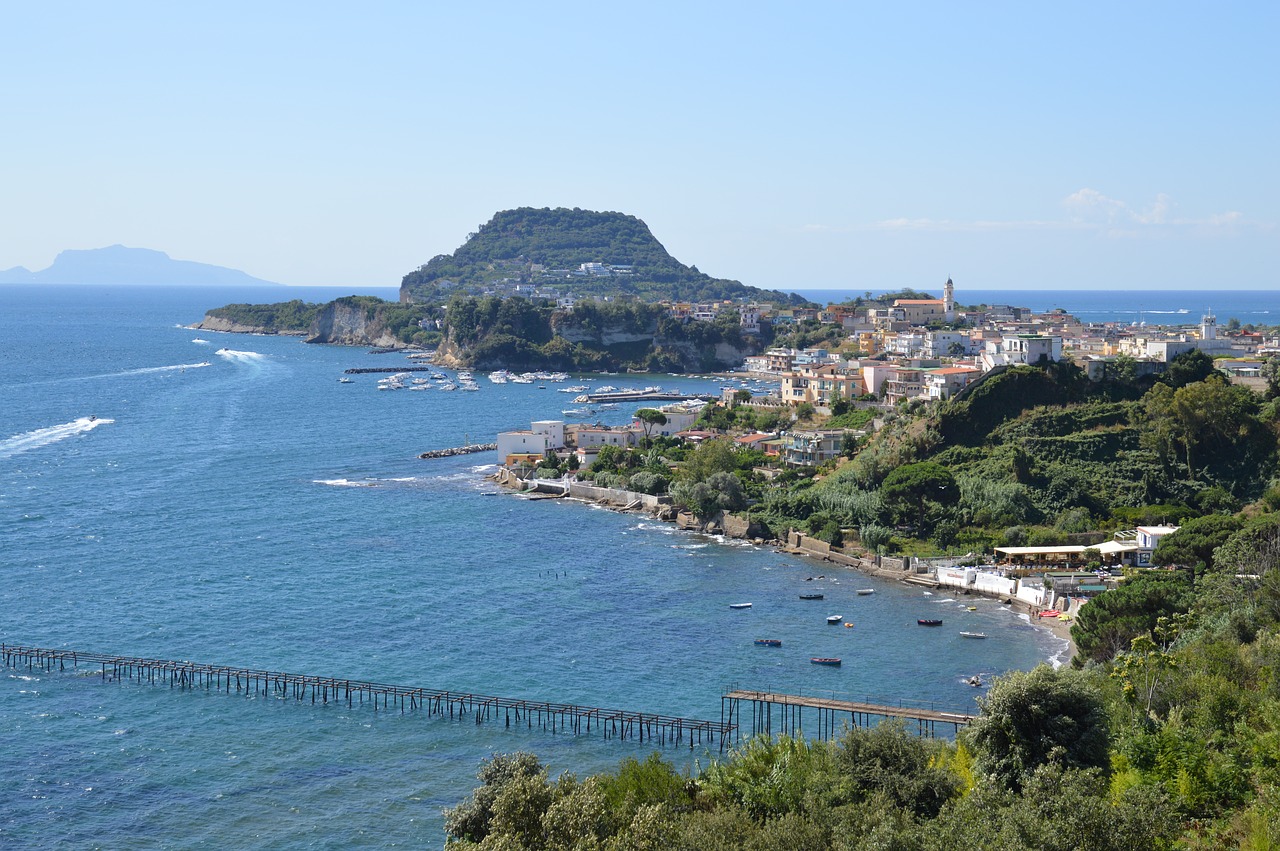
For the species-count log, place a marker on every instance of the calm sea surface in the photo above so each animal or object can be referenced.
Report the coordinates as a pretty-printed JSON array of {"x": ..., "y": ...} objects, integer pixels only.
[
  {"x": 1164, "y": 307},
  {"x": 243, "y": 507}
]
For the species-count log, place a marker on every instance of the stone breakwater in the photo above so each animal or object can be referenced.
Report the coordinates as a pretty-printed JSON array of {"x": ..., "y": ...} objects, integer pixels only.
[{"x": 459, "y": 450}]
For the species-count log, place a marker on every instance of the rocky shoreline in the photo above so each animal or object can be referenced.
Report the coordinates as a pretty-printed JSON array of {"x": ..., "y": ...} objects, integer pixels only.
[
  {"x": 797, "y": 544},
  {"x": 459, "y": 450}
]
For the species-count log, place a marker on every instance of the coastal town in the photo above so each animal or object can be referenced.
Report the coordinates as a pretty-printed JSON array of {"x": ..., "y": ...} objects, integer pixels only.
[{"x": 880, "y": 359}]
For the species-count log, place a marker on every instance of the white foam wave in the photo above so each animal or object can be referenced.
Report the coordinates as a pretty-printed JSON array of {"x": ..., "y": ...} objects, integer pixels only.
[
  {"x": 368, "y": 482},
  {"x": 42, "y": 437},
  {"x": 1058, "y": 659},
  {"x": 484, "y": 468},
  {"x": 345, "y": 483},
  {"x": 725, "y": 540},
  {"x": 655, "y": 527}
]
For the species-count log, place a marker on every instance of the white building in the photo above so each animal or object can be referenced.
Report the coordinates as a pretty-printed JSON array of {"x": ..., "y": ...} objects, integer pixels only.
[
  {"x": 1019, "y": 349},
  {"x": 536, "y": 440},
  {"x": 941, "y": 344},
  {"x": 680, "y": 418}
]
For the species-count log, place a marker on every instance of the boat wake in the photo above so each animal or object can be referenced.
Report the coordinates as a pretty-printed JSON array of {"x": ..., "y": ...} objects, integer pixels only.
[
  {"x": 177, "y": 367},
  {"x": 241, "y": 357},
  {"x": 42, "y": 437}
]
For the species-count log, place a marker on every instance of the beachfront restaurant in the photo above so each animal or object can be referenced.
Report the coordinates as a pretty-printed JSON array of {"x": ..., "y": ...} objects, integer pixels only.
[{"x": 1064, "y": 555}]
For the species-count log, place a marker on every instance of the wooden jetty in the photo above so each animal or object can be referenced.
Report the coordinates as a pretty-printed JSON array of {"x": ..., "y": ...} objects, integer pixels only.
[
  {"x": 615, "y": 724},
  {"x": 831, "y": 714}
]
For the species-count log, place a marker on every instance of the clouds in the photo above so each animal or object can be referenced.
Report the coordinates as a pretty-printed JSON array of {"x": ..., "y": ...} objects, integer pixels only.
[
  {"x": 1087, "y": 210},
  {"x": 972, "y": 226},
  {"x": 1119, "y": 218},
  {"x": 1091, "y": 205}
]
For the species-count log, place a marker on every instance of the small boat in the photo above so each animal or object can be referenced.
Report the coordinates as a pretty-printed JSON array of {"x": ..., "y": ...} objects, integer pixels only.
[
  {"x": 769, "y": 642},
  {"x": 344, "y": 380},
  {"x": 973, "y": 635},
  {"x": 739, "y": 605},
  {"x": 1050, "y": 613},
  {"x": 862, "y": 592},
  {"x": 810, "y": 596},
  {"x": 929, "y": 621},
  {"x": 835, "y": 619},
  {"x": 848, "y": 624},
  {"x": 825, "y": 660},
  {"x": 971, "y": 608}
]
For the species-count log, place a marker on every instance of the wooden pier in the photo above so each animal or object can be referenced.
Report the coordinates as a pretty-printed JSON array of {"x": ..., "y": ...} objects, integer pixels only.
[
  {"x": 610, "y": 724},
  {"x": 829, "y": 717}
]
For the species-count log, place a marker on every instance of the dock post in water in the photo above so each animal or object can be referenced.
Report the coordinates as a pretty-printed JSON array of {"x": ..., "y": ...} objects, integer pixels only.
[{"x": 557, "y": 717}]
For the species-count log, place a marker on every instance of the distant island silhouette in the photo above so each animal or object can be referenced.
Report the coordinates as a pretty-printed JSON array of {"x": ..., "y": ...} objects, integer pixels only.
[{"x": 121, "y": 265}]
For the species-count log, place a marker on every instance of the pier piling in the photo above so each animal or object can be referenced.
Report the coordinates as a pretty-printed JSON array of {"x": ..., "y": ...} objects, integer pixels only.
[{"x": 617, "y": 724}]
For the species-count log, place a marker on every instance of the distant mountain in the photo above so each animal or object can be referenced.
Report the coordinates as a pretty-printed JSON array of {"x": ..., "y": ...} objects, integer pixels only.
[
  {"x": 583, "y": 252},
  {"x": 120, "y": 265}
]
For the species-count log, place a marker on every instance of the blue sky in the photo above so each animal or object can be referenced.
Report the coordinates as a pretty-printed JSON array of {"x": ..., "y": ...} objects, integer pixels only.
[{"x": 841, "y": 145}]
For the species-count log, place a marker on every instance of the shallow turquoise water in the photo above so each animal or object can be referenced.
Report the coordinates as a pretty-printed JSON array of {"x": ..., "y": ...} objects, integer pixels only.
[{"x": 256, "y": 512}]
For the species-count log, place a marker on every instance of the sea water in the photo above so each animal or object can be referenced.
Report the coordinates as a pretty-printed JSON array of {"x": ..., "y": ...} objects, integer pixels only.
[
  {"x": 224, "y": 499},
  {"x": 1128, "y": 307}
]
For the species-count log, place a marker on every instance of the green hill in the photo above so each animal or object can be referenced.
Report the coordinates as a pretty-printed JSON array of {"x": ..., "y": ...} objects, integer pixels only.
[{"x": 546, "y": 247}]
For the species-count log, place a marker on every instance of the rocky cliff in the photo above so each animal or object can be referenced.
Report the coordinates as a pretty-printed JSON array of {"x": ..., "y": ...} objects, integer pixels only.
[
  {"x": 345, "y": 323},
  {"x": 218, "y": 323}
]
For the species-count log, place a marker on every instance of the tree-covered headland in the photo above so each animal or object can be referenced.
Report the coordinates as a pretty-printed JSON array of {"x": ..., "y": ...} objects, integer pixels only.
[{"x": 546, "y": 248}]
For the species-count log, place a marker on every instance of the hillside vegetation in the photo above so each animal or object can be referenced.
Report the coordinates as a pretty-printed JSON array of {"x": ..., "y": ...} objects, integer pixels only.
[
  {"x": 286, "y": 317},
  {"x": 1032, "y": 455},
  {"x": 517, "y": 333},
  {"x": 527, "y": 244},
  {"x": 1164, "y": 734}
]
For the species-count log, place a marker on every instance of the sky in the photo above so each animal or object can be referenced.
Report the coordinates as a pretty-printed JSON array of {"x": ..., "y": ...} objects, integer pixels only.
[{"x": 819, "y": 145}]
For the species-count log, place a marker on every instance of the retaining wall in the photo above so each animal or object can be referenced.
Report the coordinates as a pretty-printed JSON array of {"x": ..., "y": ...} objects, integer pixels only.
[
  {"x": 1031, "y": 595},
  {"x": 615, "y": 496},
  {"x": 1000, "y": 586}
]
